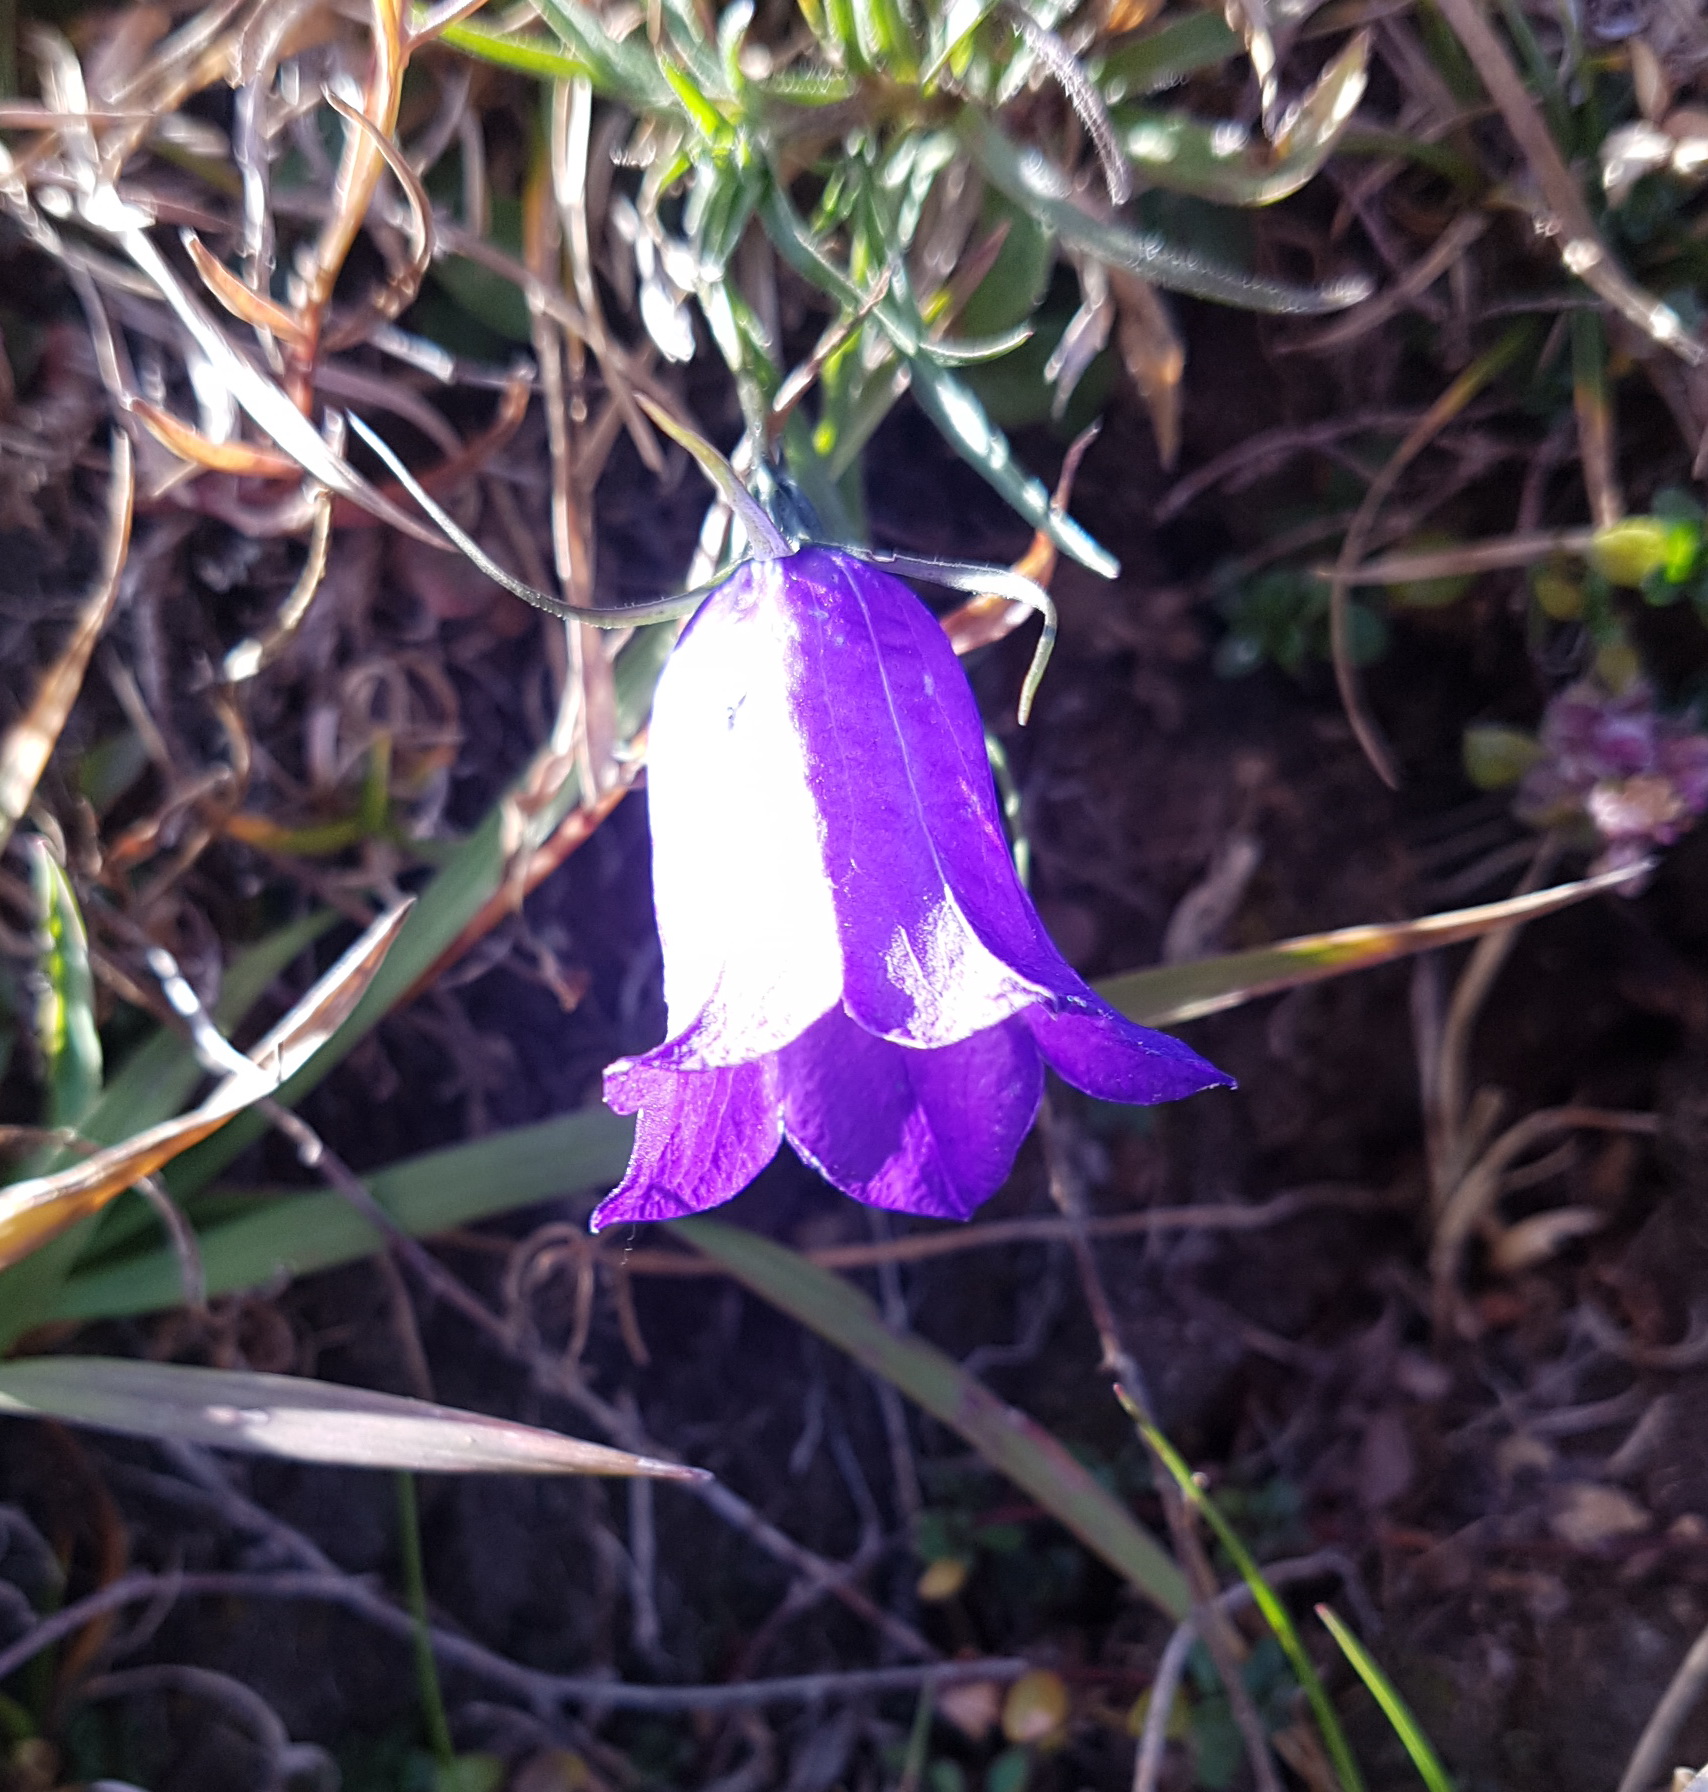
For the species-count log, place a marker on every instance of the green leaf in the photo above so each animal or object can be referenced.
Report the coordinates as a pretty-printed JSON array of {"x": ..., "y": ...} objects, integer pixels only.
[
  {"x": 302, "y": 1420},
  {"x": 528, "y": 55},
  {"x": 959, "y": 20},
  {"x": 1166, "y": 56},
  {"x": 948, "y": 401},
  {"x": 154, "y": 1083},
  {"x": 1008, "y": 1440},
  {"x": 1394, "y": 1708},
  {"x": 1045, "y": 193},
  {"x": 294, "y": 1234},
  {"x": 1222, "y": 163},
  {"x": 620, "y": 69},
  {"x": 697, "y": 107},
  {"x": 1168, "y": 994},
  {"x": 887, "y": 39},
  {"x": 66, "y": 1035}
]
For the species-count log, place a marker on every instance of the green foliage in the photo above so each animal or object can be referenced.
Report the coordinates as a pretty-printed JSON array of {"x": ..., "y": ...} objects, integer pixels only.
[
  {"x": 1281, "y": 617},
  {"x": 890, "y": 117}
]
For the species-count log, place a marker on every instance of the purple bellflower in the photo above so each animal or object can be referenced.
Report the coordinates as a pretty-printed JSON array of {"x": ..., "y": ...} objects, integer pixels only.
[{"x": 850, "y": 961}]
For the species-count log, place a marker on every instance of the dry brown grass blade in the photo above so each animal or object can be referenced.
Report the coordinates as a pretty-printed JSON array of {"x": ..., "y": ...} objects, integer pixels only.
[
  {"x": 1472, "y": 1203},
  {"x": 248, "y": 657},
  {"x": 359, "y": 173},
  {"x": 246, "y": 305},
  {"x": 41, "y": 1207},
  {"x": 1153, "y": 355},
  {"x": 474, "y": 454},
  {"x": 29, "y": 742},
  {"x": 1434, "y": 420},
  {"x": 400, "y": 289},
  {"x": 1379, "y": 307},
  {"x": 245, "y": 460}
]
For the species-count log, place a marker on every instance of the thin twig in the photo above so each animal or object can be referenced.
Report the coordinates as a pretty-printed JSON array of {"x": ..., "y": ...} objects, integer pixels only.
[{"x": 543, "y": 1691}]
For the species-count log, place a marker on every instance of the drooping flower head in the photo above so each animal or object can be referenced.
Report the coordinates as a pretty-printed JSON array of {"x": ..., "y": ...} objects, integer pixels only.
[{"x": 850, "y": 961}]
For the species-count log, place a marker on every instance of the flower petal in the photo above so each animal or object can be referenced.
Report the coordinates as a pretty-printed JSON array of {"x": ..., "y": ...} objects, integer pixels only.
[
  {"x": 745, "y": 915},
  {"x": 702, "y": 1137},
  {"x": 913, "y": 841},
  {"x": 931, "y": 1132},
  {"x": 1115, "y": 1059}
]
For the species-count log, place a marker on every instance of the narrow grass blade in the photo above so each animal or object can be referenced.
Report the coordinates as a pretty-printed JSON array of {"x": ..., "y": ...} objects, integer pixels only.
[
  {"x": 1171, "y": 993},
  {"x": 156, "y": 1079},
  {"x": 1274, "y": 1612},
  {"x": 949, "y": 402},
  {"x": 1008, "y": 1440},
  {"x": 154, "y": 1082},
  {"x": 953, "y": 406},
  {"x": 303, "y": 1420},
  {"x": 764, "y": 537},
  {"x": 66, "y": 1035},
  {"x": 1394, "y": 1708},
  {"x": 29, "y": 742},
  {"x": 296, "y": 1234},
  {"x": 38, "y": 1208},
  {"x": 526, "y": 55}
]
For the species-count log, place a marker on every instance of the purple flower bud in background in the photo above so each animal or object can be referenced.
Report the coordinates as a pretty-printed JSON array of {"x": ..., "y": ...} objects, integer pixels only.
[
  {"x": 1612, "y": 760},
  {"x": 850, "y": 961}
]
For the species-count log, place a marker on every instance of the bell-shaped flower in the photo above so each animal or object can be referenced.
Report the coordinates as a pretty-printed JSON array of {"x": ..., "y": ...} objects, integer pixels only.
[{"x": 850, "y": 961}]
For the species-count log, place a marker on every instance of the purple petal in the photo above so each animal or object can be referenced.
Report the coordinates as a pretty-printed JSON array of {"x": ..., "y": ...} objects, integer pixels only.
[
  {"x": 938, "y": 939},
  {"x": 745, "y": 916},
  {"x": 701, "y": 1138},
  {"x": 1115, "y": 1059},
  {"x": 931, "y": 1132}
]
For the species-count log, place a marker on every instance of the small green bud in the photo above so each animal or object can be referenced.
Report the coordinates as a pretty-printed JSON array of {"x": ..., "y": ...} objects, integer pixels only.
[
  {"x": 1628, "y": 552},
  {"x": 1496, "y": 756}
]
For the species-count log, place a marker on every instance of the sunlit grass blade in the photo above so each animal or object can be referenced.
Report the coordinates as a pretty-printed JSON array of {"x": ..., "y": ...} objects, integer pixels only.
[
  {"x": 765, "y": 538},
  {"x": 37, "y": 1209},
  {"x": 296, "y": 1234},
  {"x": 1008, "y": 1440},
  {"x": 1274, "y": 1612},
  {"x": 299, "y": 1419},
  {"x": 1170, "y": 993},
  {"x": 1394, "y": 1708},
  {"x": 949, "y": 402}
]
